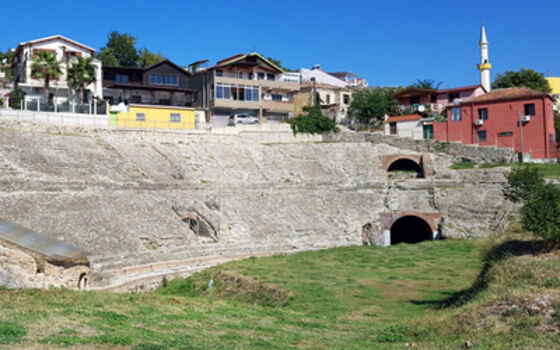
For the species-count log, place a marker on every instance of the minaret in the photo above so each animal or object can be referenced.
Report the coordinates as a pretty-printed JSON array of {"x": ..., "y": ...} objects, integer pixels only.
[{"x": 484, "y": 66}]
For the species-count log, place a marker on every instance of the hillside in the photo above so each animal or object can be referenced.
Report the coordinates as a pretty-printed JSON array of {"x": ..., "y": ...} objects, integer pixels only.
[{"x": 501, "y": 294}]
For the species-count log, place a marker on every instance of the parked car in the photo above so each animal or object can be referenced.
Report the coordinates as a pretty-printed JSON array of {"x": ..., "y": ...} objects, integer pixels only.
[{"x": 235, "y": 119}]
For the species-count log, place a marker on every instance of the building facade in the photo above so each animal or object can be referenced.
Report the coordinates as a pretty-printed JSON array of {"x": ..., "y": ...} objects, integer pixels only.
[
  {"x": 412, "y": 126},
  {"x": 59, "y": 91},
  {"x": 163, "y": 83},
  {"x": 518, "y": 118},
  {"x": 436, "y": 101},
  {"x": 245, "y": 83}
]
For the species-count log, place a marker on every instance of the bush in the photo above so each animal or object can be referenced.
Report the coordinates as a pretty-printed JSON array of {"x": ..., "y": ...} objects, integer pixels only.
[
  {"x": 314, "y": 122},
  {"x": 15, "y": 99},
  {"x": 11, "y": 332},
  {"x": 541, "y": 213},
  {"x": 522, "y": 183}
]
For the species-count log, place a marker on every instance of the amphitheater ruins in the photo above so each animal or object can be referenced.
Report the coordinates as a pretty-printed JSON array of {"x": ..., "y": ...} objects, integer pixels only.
[{"x": 127, "y": 207}]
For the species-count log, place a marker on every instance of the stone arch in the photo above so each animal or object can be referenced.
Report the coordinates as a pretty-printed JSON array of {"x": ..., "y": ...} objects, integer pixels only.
[
  {"x": 406, "y": 163},
  {"x": 410, "y": 229},
  {"x": 83, "y": 281},
  {"x": 429, "y": 224}
]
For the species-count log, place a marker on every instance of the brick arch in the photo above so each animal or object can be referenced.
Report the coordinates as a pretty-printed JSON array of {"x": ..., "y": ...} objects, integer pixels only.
[
  {"x": 388, "y": 160},
  {"x": 423, "y": 161},
  {"x": 432, "y": 219}
]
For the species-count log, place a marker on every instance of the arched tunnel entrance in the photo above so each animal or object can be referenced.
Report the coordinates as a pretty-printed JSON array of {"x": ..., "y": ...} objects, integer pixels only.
[
  {"x": 408, "y": 165},
  {"x": 410, "y": 229}
]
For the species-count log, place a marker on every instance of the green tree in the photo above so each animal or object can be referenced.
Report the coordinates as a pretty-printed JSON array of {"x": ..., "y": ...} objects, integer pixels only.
[
  {"x": 426, "y": 84},
  {"x": 147, "y": 58},
  {"x": 521, "y": 183},
  {"x": 368, "y": 104},
  {"x": 279, "y": 64},
  {"x": 6, "y": 65},
  {"x": 80, "y": 74},
  {"x": 108, "y": 58},
  {"x": 45, "y": 66},
  {"x": 123, "y": 49},
  {"x": 541, "y": 213},
  {"x": 314, "y": 122},
  {"x": 524, "y": 78}
]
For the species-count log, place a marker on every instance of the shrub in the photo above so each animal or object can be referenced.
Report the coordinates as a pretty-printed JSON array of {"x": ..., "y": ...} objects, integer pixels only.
[
  {"x": 11, "y": 332},
  {"x": 15, "y": 99},
  {"x": 522, "y": 183},
  {"x": 314, "y": 122},
  {"x": 541, "y": 213}
]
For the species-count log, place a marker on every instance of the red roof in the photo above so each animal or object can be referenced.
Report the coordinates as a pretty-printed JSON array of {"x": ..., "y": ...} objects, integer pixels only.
[
  {"x": 463, "y": 88},
  {"x": 403, "y": 118},
  {"x": 508, "y": 94}
]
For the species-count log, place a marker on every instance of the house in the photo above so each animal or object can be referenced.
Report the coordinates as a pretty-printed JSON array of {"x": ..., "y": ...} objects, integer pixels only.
[
  {"x": 435, "y": 101},
  {"x": 351, "y": 79},
  {"x": 163, "y": 83},
  {"x": 334, "y": 94},
  {"x": 519, "y": 118},
  {"x": 411, "y": 125},
  {"x": 59, "y": 91},
  {"x": 245, "y": 83}
]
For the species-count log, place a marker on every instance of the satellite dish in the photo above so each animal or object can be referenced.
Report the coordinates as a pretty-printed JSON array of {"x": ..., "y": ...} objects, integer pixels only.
[
  {"x": 421, "y": 108},
  {"x": 457, "y": 101}
]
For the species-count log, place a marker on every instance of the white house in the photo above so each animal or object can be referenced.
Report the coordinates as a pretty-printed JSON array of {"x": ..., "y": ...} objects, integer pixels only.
[
  {"x": 333, "y": 92},
  {"x": 413, "y": 126},
  {"x": 65, "y": 49}
]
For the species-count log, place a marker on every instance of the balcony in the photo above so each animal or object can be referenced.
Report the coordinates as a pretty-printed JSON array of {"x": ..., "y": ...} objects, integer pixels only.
[
  {"x": 230, "y": 78},
  {"x": 277, "y": 106}
]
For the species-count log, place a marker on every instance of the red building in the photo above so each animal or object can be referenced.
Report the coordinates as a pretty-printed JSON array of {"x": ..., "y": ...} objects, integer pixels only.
[{"x": 493, "y": 119}]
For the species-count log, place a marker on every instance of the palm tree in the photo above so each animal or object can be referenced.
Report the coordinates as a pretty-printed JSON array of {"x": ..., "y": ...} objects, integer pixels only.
[
  {"x": 46, "y": 67},
  {"x": 81, "y": 74},
  {"x": 427, "y": 84}
]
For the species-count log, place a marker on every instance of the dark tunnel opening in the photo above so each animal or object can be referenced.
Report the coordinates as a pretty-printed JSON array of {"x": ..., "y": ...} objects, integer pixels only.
[
  {"x": 410, "y": 229},
  {"x": 406, "y": 165}
]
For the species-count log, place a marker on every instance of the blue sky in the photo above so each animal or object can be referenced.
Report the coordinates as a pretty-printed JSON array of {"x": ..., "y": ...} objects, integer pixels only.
[{"x": 390, "y": 43}]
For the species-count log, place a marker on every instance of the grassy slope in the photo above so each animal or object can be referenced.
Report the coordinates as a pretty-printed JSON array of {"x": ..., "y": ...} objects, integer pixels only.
[{"x": 343, "y": 298}]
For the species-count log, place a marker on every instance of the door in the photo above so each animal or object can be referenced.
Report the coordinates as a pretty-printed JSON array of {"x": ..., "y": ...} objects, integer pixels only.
[{"x": 428, "y": 132}]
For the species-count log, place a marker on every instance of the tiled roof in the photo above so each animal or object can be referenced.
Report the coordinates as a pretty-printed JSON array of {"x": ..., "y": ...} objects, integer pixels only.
[
  {"x": 507, "y": 94},
  {"x": 403, "y": 118},
  {"x": 462, "y": 88}
]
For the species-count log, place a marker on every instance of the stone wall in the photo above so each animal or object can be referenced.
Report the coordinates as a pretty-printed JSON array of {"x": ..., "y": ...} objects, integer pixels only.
[
  {"x": 475, "y": 153},
  {"x": 126, "y": 196}
]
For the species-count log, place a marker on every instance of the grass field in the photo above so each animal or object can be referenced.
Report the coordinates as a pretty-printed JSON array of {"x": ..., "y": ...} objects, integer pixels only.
[
  {"x": 433, "y": 295},
  {"x": 551, "y": 170}
]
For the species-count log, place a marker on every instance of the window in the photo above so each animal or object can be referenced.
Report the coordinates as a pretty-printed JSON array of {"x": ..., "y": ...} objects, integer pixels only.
[
  {"x": 455, "y": 114},
  {"x": 529, "y": 109},
  {"x": 270, "y": 76},
  {"x": 251, "y": 93},
  {"x": 276, "y": 97},
  {"x": 164, "y": 79},
  {"x": 346, "y": 99},
  {"x": 505, "y": 133},
  {"x": 121, "y": 78},
  {"x": 260, "y": 76},
  {"x": 175, "y": 117},
  {"x": 219, "y": 73},
  {"x": 140, "y": 117},
  {"x": 219, "y": 90},
  {"x": 551, "y": 138},
  {"x": 481, "y": 135},
  {"x": 328, "y": 99},
  {"x": 433, "y": 98},
  {"x": 393, "y": 128},
  {"x": 415, "y": 100},
  {"x": 452, "y": 96},
  {"x": 239, "y": 75},
  {"x": 483, "y": 113},
  {"x": 250, "y": 76}
]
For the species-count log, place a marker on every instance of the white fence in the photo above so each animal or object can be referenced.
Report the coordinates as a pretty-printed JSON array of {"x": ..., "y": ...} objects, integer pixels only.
[{"x": 70, "y": 119}]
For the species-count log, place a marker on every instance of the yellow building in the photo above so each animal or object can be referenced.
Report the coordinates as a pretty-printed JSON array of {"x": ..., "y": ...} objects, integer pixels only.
[
  {"x": 554, "y": 83},
  {"x": 154, "y": 117}
]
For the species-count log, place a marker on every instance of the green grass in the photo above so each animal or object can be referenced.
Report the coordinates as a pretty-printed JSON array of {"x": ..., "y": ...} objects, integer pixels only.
[
  {"x": 463, "y": 165},
  {"x": 342, "y": 298},
  {"x": 548, "y": 170}
]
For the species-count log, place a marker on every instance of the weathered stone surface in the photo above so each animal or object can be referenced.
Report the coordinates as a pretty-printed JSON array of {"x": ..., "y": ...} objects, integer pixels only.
[{"x": 112, "y": 193}]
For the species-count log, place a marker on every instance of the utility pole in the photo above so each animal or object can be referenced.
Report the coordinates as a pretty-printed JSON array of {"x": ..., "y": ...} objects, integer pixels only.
[
  {"x": 314, "y": 93},
  {"x": 520, "y": 134}
]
